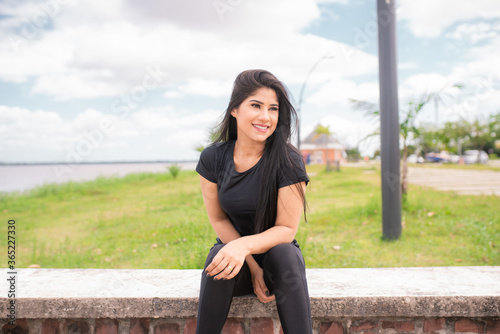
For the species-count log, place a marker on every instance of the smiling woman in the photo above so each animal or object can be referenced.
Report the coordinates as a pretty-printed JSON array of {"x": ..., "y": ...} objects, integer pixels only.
[
  {"x": 253, "y": 184},
  {"x": 257, "y": 116}
]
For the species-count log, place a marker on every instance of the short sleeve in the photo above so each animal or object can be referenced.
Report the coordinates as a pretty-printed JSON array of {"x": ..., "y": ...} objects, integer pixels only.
[
  {"x": 207, "y": 165},
  {"x": 297, "y": 173}
]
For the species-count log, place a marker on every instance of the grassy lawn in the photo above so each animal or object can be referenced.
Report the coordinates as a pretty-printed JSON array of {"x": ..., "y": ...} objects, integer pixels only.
[
  {"x": 154, "y": 221},
  {"x": 490, "y": 166}
]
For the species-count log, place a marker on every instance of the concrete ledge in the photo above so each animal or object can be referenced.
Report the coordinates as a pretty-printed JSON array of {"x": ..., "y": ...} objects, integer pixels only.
[{"x": 357, "y": 293}]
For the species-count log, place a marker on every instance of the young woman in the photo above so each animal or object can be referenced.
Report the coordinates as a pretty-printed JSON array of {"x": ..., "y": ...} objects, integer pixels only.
[{"x": 253, "y": 184}]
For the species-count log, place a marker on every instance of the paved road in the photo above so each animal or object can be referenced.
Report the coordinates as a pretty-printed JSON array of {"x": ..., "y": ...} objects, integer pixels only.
[{"x": 466, "y": 182}]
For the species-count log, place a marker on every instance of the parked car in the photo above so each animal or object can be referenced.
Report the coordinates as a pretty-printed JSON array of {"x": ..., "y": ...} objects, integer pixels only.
[
  {"x": 415, "y": 159},
  {"x": 454, "y": 159},
  {"x": 442, "y": 156},
  {"x": 472, "y": 157}
]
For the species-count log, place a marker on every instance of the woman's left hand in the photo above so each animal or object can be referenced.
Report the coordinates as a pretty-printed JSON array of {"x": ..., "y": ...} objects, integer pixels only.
[{"x": 228, "y": 261}]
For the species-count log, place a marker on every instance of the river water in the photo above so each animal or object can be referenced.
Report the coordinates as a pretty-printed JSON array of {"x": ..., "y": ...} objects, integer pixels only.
[{"x": 18, "y": 178}]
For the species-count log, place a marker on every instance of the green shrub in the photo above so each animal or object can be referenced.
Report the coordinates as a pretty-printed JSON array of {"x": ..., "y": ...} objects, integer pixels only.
[{"x": 174, "y": 169}]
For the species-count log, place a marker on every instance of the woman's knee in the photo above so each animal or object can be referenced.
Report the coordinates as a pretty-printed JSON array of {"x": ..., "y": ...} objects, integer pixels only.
[
  {"x": 213, "y": 252},
  {"x": 284, "y": 256}
]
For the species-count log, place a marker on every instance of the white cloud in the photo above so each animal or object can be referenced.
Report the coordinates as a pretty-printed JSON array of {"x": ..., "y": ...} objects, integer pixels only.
[
  {"x": 203, "y": 87},
  {"x": 423, "y": 83},
  {"x": 475, "y": 32},
  {"x": 37, "y": 129},
  {"x": 173, "y": 119},
  {"x": 44, "y": 136},
  {"x": 343, "y": 2},
  {"x": 76, "y": 85},
  {"x": 339, "y": 91},
  {"x": 429, "y": 18},
  {"x": 94, "y": 51},
  {"x": 237, "y": 20}
]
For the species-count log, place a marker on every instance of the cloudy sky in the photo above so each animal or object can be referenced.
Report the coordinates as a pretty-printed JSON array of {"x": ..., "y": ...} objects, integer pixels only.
[{"x": 122, "y": 80}]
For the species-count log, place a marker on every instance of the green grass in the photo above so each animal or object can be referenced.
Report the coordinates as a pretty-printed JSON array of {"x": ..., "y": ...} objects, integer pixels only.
[
  {"x": 153, "y": 220},
  {"x": 490, "y": 166}
]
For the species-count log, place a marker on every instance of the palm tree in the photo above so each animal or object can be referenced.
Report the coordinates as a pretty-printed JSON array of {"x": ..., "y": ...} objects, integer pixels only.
[{"x": 407, "y": 127}]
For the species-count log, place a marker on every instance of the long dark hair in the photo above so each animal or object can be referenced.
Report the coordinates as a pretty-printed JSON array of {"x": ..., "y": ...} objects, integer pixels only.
[{"x": 277, "y": 148}]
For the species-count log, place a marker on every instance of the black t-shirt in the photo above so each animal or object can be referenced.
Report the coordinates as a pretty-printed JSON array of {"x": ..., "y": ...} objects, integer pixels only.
[{"x": 238, "y": 192}]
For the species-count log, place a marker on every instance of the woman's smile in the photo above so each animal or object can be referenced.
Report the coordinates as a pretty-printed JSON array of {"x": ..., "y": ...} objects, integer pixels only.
[{"x": 261, "y": 128}]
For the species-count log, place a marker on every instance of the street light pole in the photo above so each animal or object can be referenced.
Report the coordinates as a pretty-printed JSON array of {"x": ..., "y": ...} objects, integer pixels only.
[
  {"x": 389, "y": 120},
  {"x": 299, "y": 107}
]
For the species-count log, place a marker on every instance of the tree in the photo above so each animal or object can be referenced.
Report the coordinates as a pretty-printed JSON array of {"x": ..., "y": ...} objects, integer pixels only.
[
  {"x": 353, "y": 154},
  {"x": 459, "y": 135},
  {"x": 324, "y": 130},
  {"x": 478, "y": 135},
  {"x": 211, "y": 138},
  {"x": 407, "y": 127},
  {"x": 494, "y": 130},
  {"x": 452, "y": 136}
]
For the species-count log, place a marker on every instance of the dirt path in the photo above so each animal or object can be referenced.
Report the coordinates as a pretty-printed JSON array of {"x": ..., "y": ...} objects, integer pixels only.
[{"x": 466, "y": 182}]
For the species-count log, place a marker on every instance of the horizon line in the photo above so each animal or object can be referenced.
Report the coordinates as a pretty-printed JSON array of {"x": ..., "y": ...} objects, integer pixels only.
[{"x": 95, "y": 162}]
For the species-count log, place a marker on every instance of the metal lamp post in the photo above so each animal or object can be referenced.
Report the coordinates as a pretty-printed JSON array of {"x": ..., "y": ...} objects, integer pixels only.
[
  {"x": 299, "y": 106},
  {"x": 389, "y": 120}
]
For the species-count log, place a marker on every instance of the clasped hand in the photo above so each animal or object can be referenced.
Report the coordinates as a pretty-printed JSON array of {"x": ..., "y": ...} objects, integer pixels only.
[{"x": 228, "y": 261}]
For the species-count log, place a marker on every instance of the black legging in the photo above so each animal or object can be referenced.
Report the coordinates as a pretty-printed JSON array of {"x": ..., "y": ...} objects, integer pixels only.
[{"x": 284, "y": 275}]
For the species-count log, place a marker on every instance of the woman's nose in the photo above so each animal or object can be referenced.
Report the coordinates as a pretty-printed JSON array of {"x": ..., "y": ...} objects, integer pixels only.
[{"x": 264, "y": 114}]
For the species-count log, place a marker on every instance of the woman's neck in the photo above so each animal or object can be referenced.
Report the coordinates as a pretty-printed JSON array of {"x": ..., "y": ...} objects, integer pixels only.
[{"x": 246, "y": 150}]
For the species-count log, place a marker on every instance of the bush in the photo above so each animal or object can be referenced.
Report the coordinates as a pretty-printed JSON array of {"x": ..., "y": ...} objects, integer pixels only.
[{"x": 174, "y": 170}]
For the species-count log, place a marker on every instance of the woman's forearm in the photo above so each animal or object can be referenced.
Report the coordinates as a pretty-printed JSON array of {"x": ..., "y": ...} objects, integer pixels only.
[
  {"x": 225, "y": 230},
  {"x": 262, "y": 242}
]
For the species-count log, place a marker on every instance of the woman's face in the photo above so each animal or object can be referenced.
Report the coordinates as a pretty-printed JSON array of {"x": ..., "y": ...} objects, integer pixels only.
[{"x": 257, "y": 115}]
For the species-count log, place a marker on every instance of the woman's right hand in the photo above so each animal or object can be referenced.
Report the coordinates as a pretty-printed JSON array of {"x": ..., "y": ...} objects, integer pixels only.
[{"x": 259, "y": 285}]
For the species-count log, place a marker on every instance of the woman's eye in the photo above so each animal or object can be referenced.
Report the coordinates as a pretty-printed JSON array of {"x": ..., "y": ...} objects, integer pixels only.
[{"x": 255, "y": 105}]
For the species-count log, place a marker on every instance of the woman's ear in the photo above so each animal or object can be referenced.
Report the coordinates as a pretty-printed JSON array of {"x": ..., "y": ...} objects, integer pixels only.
[{"x": 233, "y": 113}]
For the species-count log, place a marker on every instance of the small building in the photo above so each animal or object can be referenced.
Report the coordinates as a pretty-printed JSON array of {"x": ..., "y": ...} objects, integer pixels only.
[{"x": 316, "y": 148}]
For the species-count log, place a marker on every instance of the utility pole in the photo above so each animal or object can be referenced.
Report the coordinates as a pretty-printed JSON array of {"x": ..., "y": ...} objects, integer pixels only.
[{"x": 389, "y": 120}]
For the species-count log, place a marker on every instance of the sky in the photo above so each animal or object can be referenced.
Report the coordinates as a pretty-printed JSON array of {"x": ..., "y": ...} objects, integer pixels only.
[{"x": 123, "y": 80}]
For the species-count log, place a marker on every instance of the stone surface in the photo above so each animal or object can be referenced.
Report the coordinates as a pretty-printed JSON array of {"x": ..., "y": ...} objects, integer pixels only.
[{"x": 431, "y": 292}]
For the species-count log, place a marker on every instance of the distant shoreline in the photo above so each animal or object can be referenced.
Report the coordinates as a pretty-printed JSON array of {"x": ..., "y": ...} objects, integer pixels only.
[
  {"x": 97, "y": 162},
  {"x": 24, "y": 176}
]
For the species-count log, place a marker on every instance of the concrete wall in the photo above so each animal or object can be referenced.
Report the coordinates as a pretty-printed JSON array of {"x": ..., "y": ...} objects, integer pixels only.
[{"x": 385, "y": 300}]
